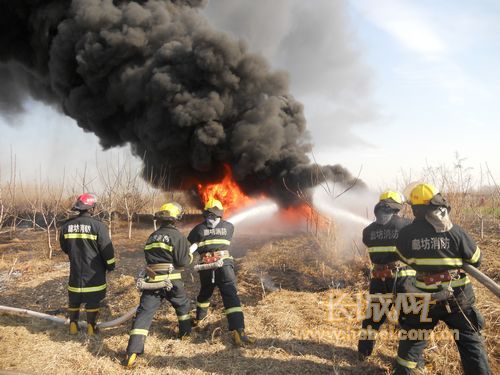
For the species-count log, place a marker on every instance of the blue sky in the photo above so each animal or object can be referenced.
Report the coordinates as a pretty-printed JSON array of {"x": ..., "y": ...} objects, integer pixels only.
[
  {"x": 389, "y": 86},
  {"x": 436, "y": 79}
]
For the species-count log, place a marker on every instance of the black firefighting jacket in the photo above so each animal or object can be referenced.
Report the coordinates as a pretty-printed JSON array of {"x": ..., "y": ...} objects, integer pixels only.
[
  {"x": 381, "y": 240},
  {"x": 427, "y": 251},
  {"x": 86, "y": 241},
  {"x": 212, "y": 239},
  {"x": 168, "y": 245}
]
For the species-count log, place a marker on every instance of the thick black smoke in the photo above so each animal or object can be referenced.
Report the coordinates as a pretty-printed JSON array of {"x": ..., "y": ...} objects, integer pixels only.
[{"x": 156, "y": 75}]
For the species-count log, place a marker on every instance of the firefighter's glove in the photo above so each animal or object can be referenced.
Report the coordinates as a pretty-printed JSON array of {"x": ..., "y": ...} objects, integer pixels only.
[{"x": 443, "y": 295}]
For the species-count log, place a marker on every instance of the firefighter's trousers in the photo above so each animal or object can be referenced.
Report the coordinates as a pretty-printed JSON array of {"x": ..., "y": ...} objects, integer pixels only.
[
  {"x": 225, "y": 279},
  {"x": 466, "y": 334},
  {"x": 388, "y": 287},
  {"x": 91, "y": 302},
  {"x": 150, "y": 302}
]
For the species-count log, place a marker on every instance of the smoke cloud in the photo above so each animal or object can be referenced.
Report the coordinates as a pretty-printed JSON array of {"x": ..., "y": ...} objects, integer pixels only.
[
  {"x": 155, "y": 74},
  {"x": 317, "y": 44}
]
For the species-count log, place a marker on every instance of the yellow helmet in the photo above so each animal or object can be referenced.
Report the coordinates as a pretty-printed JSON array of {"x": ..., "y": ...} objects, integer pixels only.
[
  {"x": 394, "y": 195},
  {"x": 170, "y": 210},
  {"x": 214, "y": 206},
  {"x": 423, "y": 194}
]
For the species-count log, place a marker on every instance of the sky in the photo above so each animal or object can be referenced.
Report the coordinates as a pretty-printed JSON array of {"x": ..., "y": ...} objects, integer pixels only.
[{"x": 388, "y": 86}]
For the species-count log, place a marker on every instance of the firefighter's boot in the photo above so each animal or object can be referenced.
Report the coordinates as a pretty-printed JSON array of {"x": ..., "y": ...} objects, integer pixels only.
[
  {"x": 240, "y": 338},
  {"x": 74, "y": 315},
  {"x": 130, "y": 360},
  {"x": 365, "y": 348},
  {"x": 92, "y": 321},
  {"x": 73, "y": 328},
  {"x": 185, "y": 329}
]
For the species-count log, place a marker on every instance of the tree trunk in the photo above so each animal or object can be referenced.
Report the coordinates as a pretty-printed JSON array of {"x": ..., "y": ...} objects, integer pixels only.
[
  {"x": 110, "y": 223},
  {"x": 1, "y": 216},
  {"x": 129, "y": 228},
  {"x": 13, "y": 227},
  {"x": 49, "y": 241}
]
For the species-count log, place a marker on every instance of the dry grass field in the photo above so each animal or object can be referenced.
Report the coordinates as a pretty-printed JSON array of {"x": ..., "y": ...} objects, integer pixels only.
[{"x": 289, "y": 286}]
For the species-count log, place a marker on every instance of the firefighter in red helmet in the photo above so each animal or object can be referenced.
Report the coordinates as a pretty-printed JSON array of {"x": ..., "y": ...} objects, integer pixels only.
[{"x": 86, "y": 241}]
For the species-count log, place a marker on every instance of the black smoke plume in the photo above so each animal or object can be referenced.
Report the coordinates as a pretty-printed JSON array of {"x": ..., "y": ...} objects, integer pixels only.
[{"x": 156, "y": 75}]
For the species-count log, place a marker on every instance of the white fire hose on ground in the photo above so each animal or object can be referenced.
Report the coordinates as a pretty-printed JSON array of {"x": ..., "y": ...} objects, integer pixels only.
[{"x": 55, "y": 319}]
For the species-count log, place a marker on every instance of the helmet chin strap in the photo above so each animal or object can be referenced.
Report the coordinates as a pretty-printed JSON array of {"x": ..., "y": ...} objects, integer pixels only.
[{"x": 212, "y": 222}]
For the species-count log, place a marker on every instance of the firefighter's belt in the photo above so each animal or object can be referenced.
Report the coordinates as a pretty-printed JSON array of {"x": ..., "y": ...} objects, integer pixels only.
[
  {"x": 152, "y": 269},
  {"x": 212, "y": 260},
  {"x": 151, "y": 280},
  {"x": 385, "y": 271},
  {"x": 438, "y": 277}
]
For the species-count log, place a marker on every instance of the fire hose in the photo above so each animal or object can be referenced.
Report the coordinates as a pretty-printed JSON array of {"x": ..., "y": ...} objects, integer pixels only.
[
  {"x": 55, "y": 319},
  {"x": 209, "y": 266},
  {"x": 482, "y": 278},
  {"x": 141, "y": 284}
]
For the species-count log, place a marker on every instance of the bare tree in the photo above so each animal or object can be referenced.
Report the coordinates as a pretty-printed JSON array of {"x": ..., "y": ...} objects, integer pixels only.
[
  {"x": 110, "y": 178},
  {"x": 152, "y": 194},
  {"x": 4, "y": 208},
  {"x": 11, "y": 192},
  {"x": 50, "y": 209},
  {"x": 131, "y": 199},
  {"x": 31, "y": 196}
]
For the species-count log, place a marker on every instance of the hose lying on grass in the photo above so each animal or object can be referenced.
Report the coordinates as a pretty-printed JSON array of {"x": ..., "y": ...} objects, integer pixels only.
[{"x": 55, "y": 319}]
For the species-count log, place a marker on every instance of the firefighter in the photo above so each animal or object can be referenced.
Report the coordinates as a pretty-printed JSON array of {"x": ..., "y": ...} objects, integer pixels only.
[
  {"x": 388, "y": 274},
  {"x": 166, "y": 252},
  {"x": 86, "y": 241},
  {"x": 212, "y": 239},
  {"x": 436, "y": 248}
]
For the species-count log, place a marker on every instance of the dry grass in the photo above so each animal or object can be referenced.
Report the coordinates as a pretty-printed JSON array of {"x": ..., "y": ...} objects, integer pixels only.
[{"x": 287, "y": 289}]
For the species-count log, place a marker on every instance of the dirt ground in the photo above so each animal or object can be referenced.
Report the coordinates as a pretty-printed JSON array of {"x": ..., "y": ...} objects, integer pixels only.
[{"x": 290, "y": 295}]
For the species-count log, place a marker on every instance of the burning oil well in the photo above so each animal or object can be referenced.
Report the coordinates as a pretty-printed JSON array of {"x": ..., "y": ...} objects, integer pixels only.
[{"x": 190, "y": 100}]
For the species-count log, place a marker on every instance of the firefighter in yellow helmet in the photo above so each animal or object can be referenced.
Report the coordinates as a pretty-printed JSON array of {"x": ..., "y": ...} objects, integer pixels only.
[
  {"x": 86, "y": 241},
  {"x": 436, "y": 248},
  {"x": 166, "y": 252},
  {"x": 212, "y": 239},
  {"x": 388, "y": 274}
]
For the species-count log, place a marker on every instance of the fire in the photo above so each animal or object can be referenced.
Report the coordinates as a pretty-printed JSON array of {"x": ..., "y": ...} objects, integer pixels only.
[
  {"x": 227, "y": 191},
  {"x": 234, "y": 199},
  {"x": 304, "y": 213},
  {"x": 297, "y": 213}
]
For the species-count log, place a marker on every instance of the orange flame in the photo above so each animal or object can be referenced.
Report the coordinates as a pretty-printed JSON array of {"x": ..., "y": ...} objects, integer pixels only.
[
  {"x": 304, "y": 213},
  {"x": 227, "y": 191}
]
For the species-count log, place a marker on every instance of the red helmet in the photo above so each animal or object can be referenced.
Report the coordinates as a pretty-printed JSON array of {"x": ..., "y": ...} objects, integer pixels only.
[{"x": 85, "y": 202}]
